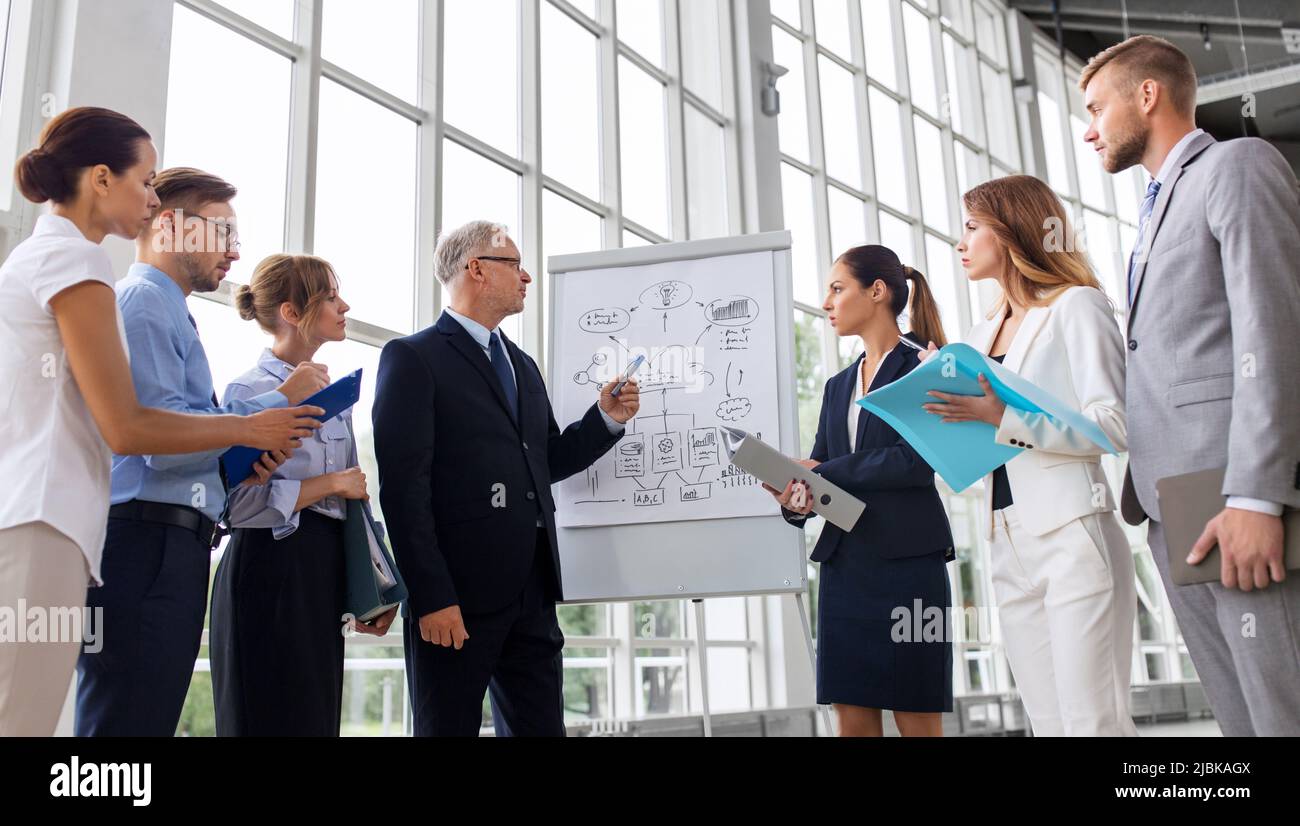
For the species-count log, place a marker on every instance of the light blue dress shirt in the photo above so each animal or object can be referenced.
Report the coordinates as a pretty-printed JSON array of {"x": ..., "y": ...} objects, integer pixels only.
[
  {"x": 330, "y": 449},
  {"x": 170, "y": 371}
]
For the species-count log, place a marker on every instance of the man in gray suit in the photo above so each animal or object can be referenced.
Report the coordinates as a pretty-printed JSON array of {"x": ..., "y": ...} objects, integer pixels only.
[{"x": 1213, "y": 368}]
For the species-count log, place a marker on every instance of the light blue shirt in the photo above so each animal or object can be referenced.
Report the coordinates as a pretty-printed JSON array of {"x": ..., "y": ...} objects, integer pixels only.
[
  {"x": 483, "y": 337},
  {"x": 170, "y": 371},
  {"x": 330, "y": 449}
]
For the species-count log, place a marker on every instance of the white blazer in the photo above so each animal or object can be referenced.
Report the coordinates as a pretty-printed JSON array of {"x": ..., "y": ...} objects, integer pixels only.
[{"x": 1073, "y": 350}]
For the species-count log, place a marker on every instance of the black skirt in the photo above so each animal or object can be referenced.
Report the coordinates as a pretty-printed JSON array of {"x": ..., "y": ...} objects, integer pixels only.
[
  {"x": 883, "y": 631},
  {"x": 276, "y": 641}
]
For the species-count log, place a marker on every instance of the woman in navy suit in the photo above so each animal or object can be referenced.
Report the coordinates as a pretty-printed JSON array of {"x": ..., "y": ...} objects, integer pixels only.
[{"x": 883, "y": 638}]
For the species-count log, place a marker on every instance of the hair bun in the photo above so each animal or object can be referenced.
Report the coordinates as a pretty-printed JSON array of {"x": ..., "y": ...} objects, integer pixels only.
[
  {"x": 38, "y": 177},
  {"x": 244, "y": 302}
]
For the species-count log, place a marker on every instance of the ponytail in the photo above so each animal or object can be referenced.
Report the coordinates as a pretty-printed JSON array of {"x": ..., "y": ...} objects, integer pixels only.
[
  {"x": 927, "y": 323},
  {"x": 872, "y": 262}
]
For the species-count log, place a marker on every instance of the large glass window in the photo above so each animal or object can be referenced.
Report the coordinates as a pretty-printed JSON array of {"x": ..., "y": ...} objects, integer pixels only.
[
  {"x": 935, "y": 194},
  {"x": 920, "y": 60},
  {"x": 567, "y": 228},
  {"x": 878, "y": 41},
  {"x": 350, "y": 30},
  {"x": 831, "y": 18},
  {"x": 706, "y": 175},
  {"x": 848, "y": 221},
  {"x": 641, "y": 26},
  {"x": 701, "y": 57},
  {"x": 255, "y": 161},
  {"x": 570, "y": 103},
  {"x": 797, "y": 195},
  {"x": 365, "y": 219},
  {"x": 793, "y": 123},
  {"x": 481, "y": 96},
  {"x": 276, "y": 16},
  {"x": 896, "y": 234},
  {"x": 4, "y": 38},
  {"x": 644, "y": 149},
  {"x": 887, "y": 147},
  {"x": 999, "y": 114},
  {"x": 840, "y": 119}
]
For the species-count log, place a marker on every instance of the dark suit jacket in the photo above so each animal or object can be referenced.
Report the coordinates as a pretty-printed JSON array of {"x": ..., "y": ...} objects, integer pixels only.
[
  {"x": 449, "y": 453},
  {"x": 904, "y": 515}
]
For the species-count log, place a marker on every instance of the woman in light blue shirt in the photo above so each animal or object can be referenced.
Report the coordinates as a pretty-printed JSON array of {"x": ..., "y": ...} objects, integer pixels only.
[{"x": 278, "y": 599}]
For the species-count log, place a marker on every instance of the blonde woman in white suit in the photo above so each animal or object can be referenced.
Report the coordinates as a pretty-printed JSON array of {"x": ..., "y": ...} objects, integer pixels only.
[{"x": 1062, "y": 568}]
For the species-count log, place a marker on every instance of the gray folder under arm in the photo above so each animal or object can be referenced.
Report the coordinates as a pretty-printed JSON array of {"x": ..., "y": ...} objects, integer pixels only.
[{"x": 1187, "y": 502}]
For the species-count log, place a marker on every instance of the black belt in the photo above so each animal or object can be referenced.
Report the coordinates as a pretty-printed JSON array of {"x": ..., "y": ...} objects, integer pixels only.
[{"x": 208, "y": 532}]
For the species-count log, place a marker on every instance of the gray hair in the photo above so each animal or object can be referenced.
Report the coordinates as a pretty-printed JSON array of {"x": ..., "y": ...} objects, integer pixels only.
[{"x": 458, "y": 246}]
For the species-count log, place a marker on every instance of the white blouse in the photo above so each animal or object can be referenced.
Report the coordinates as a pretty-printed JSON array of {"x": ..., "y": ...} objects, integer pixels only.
[
  {"x": 55, "y": 465},
  {"x": 855, "y": 396}
]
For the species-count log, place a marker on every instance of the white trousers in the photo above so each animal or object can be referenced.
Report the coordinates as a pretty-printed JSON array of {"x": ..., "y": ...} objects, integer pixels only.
[
  {"x": 40, "y": 568},
  {"x": 1066, "y": 606}
]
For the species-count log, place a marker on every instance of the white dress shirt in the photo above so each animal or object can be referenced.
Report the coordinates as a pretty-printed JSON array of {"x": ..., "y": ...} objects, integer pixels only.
[
  {"x": 856, "y": 395},
  {"x": 55, "y": 464}
]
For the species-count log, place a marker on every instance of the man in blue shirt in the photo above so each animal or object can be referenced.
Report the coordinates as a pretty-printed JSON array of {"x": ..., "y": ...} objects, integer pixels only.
[{"x": 165, "y": 510}]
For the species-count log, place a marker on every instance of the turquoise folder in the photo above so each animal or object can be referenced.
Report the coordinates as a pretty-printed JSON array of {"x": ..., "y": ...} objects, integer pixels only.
[{"x": 964, "y": 452}]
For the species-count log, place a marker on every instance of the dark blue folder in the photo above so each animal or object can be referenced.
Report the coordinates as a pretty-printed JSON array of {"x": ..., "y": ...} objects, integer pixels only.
[{"x": 335, "y": 399}]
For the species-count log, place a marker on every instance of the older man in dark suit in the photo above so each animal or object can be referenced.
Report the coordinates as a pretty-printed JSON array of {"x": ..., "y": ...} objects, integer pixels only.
[{"x": 468, "y": 448}]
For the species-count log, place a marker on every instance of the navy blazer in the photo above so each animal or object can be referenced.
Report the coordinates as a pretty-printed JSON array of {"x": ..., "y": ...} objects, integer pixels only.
[
  {"x": 462, "y": 483},
  {"x": 904, "y": 515}
]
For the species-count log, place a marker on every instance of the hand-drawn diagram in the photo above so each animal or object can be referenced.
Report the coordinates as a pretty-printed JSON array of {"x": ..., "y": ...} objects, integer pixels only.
[{"x": 707, "y": 332}]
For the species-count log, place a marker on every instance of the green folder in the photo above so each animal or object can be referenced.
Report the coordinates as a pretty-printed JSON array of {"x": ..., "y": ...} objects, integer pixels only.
[{"x": 366, "y": 597}]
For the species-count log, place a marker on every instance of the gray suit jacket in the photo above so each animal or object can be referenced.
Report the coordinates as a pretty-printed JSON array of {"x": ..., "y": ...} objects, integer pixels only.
[{"x": 1214, "y": 329}]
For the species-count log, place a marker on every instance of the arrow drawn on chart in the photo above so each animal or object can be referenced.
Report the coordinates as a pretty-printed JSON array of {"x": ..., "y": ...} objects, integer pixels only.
[
  {"x": 728, "y": 384},
  {"x": 702, "y": 372},
  {"x": 620, "y": 344},
  {"x": 701, "y": 335},
  {"x": 665, "y": 322}
]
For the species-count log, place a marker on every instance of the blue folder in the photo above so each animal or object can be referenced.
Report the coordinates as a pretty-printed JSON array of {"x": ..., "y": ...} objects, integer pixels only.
[
  {"x": 964, "y": 452},
  {"x": 334, "y": 399}
]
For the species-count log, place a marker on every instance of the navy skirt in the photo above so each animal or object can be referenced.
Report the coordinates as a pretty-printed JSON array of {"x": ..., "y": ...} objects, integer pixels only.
[
  {"x": 276, "y": 640},
  {"x": 884, "y": 631}
]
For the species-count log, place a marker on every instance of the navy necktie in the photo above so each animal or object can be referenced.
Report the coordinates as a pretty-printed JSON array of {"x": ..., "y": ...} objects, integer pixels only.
[
  {"x": 221, "y": 466},
  {"x": 501, "y": 366}
]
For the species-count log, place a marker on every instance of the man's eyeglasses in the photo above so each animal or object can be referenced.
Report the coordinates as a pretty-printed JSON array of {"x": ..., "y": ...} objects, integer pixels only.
[
  {"x": 227, "y": 237},
  {"x": 513, "y": 261}
]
